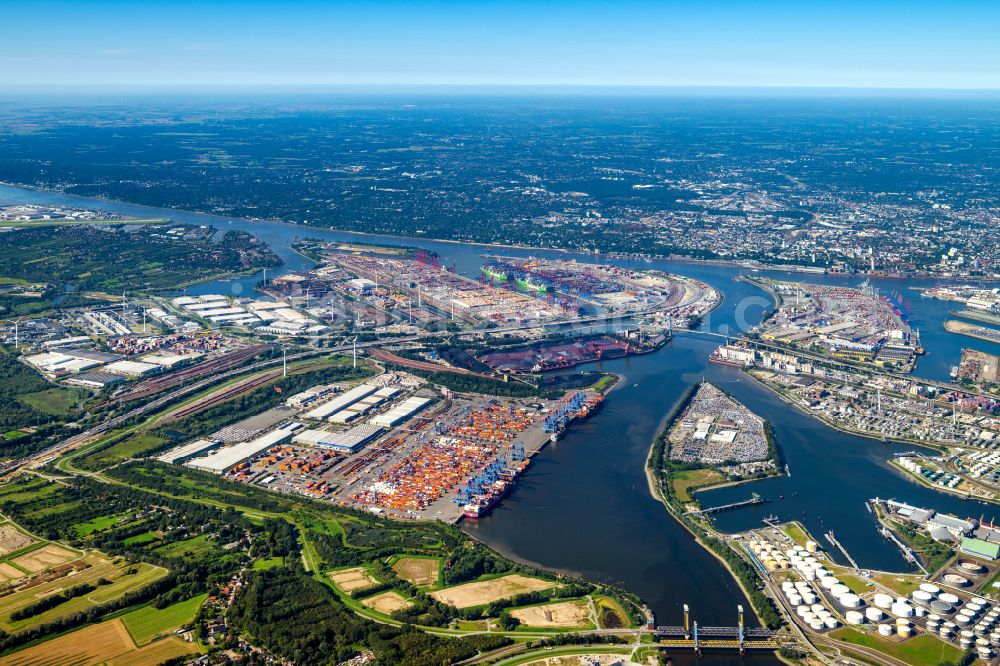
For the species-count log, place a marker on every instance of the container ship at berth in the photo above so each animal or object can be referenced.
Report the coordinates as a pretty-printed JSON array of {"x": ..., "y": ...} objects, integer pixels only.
[
  {"x": 493, "y": 491},
  {"x": 577, "y": 406}
]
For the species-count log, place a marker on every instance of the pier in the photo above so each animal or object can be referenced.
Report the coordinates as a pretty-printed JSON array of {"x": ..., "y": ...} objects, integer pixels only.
[
  {"x": 696, "y": 638},
  {"x": 839, "y": 546},
  {"x": 755, "y": 499}
]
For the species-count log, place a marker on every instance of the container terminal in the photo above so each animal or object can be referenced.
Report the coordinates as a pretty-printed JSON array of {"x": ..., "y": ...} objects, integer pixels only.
[{"x": 393, "y": 444}]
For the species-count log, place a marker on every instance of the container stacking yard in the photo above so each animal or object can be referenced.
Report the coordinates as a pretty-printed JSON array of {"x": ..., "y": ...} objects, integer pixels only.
[{"x": 408, "y": 450}]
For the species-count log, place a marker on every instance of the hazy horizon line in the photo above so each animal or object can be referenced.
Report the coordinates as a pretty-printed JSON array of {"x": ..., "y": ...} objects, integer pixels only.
[{"x": 95, "y": 89}]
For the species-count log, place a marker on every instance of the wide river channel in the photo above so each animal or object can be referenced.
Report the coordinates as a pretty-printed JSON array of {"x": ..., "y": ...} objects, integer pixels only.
[{"x": 584, "y": 506}]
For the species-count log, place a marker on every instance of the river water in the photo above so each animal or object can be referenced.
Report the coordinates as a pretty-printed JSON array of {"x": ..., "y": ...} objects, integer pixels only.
[{"x": 584, "y": 506}]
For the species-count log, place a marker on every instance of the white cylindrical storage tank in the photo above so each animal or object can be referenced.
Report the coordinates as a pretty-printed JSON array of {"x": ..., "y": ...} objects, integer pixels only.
[
  {"x": 788, "y": 585},
  {"x": 839, "y": 590},
  {"x": 808, "y": 597},
  {"x": 962, "y": 620},
  {"x": 854, "y": 617},
  {"x": 790, "y": 553},
  {"x": 817, "y": 625},
  {"x": 873, "y": 614},
  {"x": 984, "y": 653},
  {"x": 902, "y": 610},
  {"x": 882, "y": 600},
  {"x": 817, "y": 608},
  {"x": 921, "y": 611},
  {"x": 829, "y": 581},
  {"x": 830, "y": 622},
  {"x": 811, "y": 546},
  {"x": 821, "y": 571},
  {"x": 930, "y": 587},
  {"x": 948, "y": 598},
  {"x": 885, "y": 629},
  {"x": 810, "y": 574},
  {"x": 801, "y": 610},
  {"x": 981, "y": 601},
  {"x": 850, "y": 600},
  {"x": 922, "y": 597},
  {"x": 809, "y": 616},
  {"x": 944, "y": 631},
  {"x": 965, "y": 643},
  {"x": 795, "y": 599}
]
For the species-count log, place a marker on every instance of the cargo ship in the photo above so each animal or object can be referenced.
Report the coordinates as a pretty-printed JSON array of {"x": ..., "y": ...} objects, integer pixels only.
[
  {"x": 723, "y": 358},
  {"x": 492, "y": 493}
]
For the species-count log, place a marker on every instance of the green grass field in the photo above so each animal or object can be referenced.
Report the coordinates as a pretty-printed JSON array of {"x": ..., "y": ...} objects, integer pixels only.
[
  {"x": 53, "y": 401},
  {"x": 796, "y": 534},
  {"x": 194, "y": 546},
  {"x": 96, "y": 525},
  {"x": 145, "y": 537},
  {"x": 148, "y": 622},
  {"x": 919, "y": 651},
  {"x": 687, "y": 481},
  {"x": 267, "y": 563}
]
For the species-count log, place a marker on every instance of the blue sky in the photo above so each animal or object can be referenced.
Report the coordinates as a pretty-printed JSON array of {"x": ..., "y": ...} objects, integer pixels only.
[{"x": 804, "y": 43}]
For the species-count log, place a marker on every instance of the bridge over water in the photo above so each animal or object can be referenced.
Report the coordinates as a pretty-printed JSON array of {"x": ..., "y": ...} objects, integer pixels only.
[{"x": 690, "y": 635}]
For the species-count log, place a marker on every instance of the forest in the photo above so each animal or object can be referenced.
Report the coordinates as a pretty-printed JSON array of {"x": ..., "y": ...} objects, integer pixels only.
[{"x": 141, "y": 258}]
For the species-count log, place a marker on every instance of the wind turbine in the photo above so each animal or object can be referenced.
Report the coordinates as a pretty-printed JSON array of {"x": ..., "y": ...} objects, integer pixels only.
[{"x": 17, "y": 323}]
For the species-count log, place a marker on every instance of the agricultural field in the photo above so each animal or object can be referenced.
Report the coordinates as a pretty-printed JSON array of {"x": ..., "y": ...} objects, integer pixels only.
[
  {"x": 386, "y": 602},
  {"x": 148, "y": 622},
  {"x": 92, "y": 569},
  {"x": 350, "y": 580},
  {"x": 43, "y": 558},
  {"x": 421, "y": 571},
  {"x": 12, "y": 539},
  {"x": 480, "y": 593},
  {"x": 107, "y": 643},
  {"x": 558, "y": 615}
]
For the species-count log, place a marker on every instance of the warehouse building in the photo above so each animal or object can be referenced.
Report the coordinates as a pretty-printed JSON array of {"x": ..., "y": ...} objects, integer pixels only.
[
  {"x": 224, "y": 459},
  {"x": 347, "y": 441},
  {"x": 401, "y": 412},
  {"x": 343, "y": 400}
]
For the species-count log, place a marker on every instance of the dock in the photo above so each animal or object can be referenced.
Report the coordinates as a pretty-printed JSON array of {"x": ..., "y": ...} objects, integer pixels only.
[
  {"x": 839, "y": 546},
  {"x": 755, "y": 499}
]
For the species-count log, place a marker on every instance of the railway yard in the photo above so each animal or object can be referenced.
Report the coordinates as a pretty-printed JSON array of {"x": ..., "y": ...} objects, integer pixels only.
[
  {"x": 392, "y": 445},
  {"x": 857, "y": 325}
]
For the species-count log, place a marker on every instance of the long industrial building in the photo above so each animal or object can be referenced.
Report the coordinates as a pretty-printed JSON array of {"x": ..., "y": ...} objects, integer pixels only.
[
  {"x": 347, "y": 441},
  {"x": 231, "y": 456},
  {"x": 343, "y": 400},
  {"x": 400, "y": 412}
]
